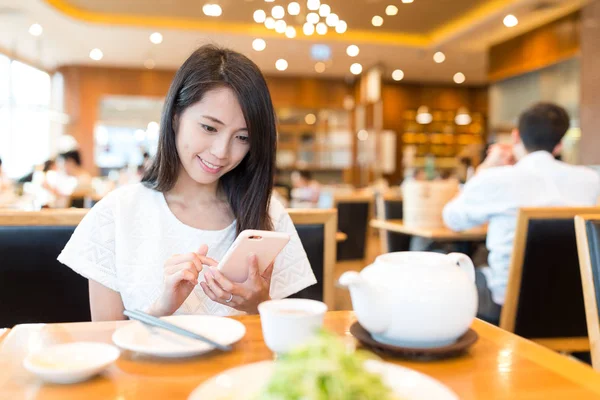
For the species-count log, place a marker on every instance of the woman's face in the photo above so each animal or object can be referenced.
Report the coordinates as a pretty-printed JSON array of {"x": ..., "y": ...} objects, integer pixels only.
[{"x": 212, "y": 137}]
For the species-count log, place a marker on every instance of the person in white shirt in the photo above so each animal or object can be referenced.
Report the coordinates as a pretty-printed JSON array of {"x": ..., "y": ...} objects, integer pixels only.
[
  {"x": 152, "y": 245},
  {"x": 524, "y": 174}
]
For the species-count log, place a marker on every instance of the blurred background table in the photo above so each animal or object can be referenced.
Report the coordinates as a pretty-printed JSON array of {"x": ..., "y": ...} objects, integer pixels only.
[{"x": 440, "y": 234}]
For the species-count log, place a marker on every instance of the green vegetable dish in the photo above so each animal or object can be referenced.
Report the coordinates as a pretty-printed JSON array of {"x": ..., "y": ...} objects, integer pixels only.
[{"x": 325, "y": 369}]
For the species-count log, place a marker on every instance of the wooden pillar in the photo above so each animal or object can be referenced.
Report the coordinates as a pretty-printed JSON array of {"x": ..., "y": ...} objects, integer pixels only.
[{"x": 590, "y": 84}]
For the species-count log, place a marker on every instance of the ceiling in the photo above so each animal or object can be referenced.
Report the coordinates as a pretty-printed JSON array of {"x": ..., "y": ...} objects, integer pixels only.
[
  {"x": 462, "y": 29},
  {"x": 418, "y": 17}
]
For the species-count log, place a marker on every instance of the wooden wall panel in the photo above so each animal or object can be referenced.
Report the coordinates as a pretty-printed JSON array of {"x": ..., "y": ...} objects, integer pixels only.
[
  {"x": 539, "y": 48},
  {"x": 590, "y": 85},
  {"x": 398, "y": 98},
  {"x": 85, "y": 87}
]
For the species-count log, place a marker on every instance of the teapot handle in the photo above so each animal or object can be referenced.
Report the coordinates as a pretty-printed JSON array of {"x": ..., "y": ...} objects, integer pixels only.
[{"x": 465, "y": 263}]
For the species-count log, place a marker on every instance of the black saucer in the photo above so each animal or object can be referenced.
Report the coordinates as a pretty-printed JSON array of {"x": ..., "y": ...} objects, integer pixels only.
[{"x": 436, "y": 353}]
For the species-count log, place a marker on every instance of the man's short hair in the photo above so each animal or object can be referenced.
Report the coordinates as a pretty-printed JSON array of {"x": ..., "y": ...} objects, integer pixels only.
[
  {"x": 72, "y": 155},
  {"x": 542, "y": 126}
]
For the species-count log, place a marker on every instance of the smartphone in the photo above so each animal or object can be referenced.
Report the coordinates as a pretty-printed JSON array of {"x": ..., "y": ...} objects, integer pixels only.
[{"x": 266, "y": 245}]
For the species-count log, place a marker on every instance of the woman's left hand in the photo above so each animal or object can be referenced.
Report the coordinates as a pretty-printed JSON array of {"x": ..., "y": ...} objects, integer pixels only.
[{"x": 244, "y": 296}]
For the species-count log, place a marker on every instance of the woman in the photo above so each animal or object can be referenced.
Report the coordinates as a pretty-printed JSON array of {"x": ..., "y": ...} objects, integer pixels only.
[{"x": 147, "y": 246}]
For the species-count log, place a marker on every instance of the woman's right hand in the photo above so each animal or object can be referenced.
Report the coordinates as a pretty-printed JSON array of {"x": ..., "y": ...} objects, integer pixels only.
[{"x": 180, "y": 277}]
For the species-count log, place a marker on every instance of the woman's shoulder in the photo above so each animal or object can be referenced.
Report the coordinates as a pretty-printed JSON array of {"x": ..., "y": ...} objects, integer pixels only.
[
  {"x": 130, "y": 195},
  {"x": 276, "y": 209}
]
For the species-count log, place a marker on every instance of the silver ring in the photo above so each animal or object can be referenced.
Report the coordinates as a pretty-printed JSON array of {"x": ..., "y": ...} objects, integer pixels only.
[{"x": 230, "y": 298}]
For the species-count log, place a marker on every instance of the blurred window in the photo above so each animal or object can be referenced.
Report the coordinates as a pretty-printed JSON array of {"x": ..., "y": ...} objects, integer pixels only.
[{"x": 24, "y": 117}]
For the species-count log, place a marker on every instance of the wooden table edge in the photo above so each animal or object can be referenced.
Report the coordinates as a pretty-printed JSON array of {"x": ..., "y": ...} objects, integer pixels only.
[
  {"x": 573, "y": 370},
  {"x": 394, "y": 226}
]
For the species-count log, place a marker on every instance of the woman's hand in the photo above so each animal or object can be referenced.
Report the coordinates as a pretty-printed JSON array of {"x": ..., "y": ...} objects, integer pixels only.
[
  {"x": 244, "y": 296},
  {"x": 180, "y": 277}
]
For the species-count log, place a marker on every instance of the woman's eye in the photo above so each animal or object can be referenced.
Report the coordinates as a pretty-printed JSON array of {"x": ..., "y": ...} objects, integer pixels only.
[
  {"x": 209, "y": 128},
  {"x": 244, "y": 139}
]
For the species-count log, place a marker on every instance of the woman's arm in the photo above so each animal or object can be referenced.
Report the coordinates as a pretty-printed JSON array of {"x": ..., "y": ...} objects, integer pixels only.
[{"x": 105, "y": 304}]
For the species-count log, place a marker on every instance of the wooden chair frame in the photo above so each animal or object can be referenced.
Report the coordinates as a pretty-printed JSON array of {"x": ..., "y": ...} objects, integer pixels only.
[
  {"x": 509, "y": 310},
  {"x": 589, "y": 288},
  {"x": 329, "y": 220}
]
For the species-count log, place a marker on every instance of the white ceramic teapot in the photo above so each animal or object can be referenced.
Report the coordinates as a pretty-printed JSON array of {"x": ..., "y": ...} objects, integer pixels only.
[{"x": 415, "y": 299}]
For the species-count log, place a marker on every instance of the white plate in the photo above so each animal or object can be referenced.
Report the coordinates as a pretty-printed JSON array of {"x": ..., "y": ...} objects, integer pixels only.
[
  {"x": 245, "y": 383},
  {"x": 144, "y": 339},
  {"x": 71, "y": 362}
]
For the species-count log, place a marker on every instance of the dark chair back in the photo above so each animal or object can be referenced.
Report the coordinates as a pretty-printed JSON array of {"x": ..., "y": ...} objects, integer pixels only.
[
  {"x": 544, "y": 298},
  {"x": 354, "y": 212},
  {"x": 393, "y": 209},
  {"x": 34, "y": 286},
  {"x": 316, "y": 229},
  {"x": 587, "y": 229}
]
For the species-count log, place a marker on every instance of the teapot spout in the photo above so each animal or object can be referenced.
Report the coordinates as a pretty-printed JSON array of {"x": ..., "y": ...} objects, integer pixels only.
[{"x": 369, "y": 304}]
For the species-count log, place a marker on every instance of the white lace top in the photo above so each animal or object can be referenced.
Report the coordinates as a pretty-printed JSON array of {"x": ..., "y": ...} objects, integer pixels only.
[{"x": 125, "y": 239}]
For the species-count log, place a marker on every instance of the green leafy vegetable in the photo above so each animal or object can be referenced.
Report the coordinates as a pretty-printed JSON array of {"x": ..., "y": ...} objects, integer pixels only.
[{"x": 324, "y": 369}]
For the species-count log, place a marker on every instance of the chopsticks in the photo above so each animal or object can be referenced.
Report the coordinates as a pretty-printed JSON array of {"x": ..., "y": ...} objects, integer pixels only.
[{"x": 159, "y": 323}]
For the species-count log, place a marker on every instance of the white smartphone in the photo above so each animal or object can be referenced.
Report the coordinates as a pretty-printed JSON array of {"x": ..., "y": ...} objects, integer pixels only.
[{"x": 265, "y": 244}]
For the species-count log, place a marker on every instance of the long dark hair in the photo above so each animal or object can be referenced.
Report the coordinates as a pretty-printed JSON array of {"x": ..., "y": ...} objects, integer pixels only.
[{"x": 248, "y": 186}]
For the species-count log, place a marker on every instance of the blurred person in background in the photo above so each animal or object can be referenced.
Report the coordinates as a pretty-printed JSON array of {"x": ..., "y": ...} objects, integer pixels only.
[
  {"x": 71, "y": 179},
  {"x": 306, "y": 190},
  {"x": 524, "y": 173}
]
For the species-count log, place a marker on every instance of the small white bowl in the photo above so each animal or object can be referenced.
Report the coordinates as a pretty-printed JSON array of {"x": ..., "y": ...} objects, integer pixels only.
[{"x": 71, "y": 362}]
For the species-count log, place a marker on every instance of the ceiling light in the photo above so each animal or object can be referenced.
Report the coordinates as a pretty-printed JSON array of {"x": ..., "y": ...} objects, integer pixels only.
[
  {"x": 341, "y": 27},
  {"x": 149, "y": 63},
  {"x": 321, "y": 28},
  {"x": 391, "y": 10},
  {"x": 320, "y": 67},
  {"x": 278, "y": 12},
  {"x": 36, "y": 30},
  {"x": 290, "y": 32},
  {"x": 156, "y": 38},
  {"x": 439, "y": 57},
  {"x": 293, "y": 8},
  {"x": 310, "y": 119},
  {"x": 308, "y": 29},
  {"x": 332, "y": 20},
  {"x": 362, "y": 135},
  {"x": 398, "y": 75},
  {"x": 313, "y": 5},
  {"x": 356, "y": 68},
  {"x": 462, "y": 117},
  {"x": 424, "y": 117},
  {"x": 407, "y": 1},
  {"x": 459, "y": 78},
  {"x": 260, "y": 16},
  {"x": 269, "y": 22},
  {"x": 212, "y": 10},
  {"x": 313, "y": 18},
  {"x": 269, "y": 1},
  {"x": 96, "y": 54},
  {"x": 510, "y": 21},
  {"x": 281, "y": 64},
  {"x": 280, "y": 26},
  {"x": 377, "y": 21},
  {"x": 352, "y": 50},
  {"x": 324, "y": 10},
  {"x": 259, "y": 44}
]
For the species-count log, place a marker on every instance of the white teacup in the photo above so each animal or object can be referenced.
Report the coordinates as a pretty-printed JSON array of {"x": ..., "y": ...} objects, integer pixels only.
[{"x": 288, "y": 323}]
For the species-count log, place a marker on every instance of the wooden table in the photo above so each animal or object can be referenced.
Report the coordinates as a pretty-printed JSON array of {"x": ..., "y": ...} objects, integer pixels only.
[
  {"x": 438, "y": 234},
  {"x": 499, "y": 366}
]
